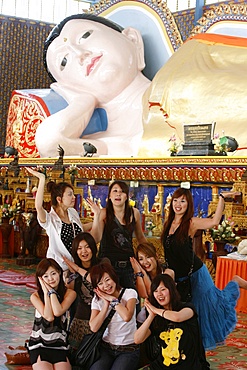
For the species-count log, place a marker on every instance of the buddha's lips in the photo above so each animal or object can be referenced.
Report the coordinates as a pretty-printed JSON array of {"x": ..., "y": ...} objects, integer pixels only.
[{"x": 91, "y": 66}]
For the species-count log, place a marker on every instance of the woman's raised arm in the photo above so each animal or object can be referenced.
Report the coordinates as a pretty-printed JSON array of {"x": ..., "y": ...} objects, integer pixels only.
[{"x": 40, "y": 194}]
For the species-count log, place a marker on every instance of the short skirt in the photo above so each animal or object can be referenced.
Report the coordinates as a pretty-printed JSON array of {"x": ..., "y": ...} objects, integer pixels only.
[{"x": 53, "y": 356}]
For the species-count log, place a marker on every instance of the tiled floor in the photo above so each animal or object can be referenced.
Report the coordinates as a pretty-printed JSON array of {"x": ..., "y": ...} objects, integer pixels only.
[{"x": 17, "y": 313}]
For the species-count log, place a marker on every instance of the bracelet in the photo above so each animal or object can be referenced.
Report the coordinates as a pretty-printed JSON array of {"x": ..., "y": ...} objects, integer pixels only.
[
  {"x": 52, "y": 291},
  {"x": 140, "y": 274},
  {"x": 163, "y": 313},
  {"x": 114, "y": 303},
  {"x": 72, "y": 277},
  {"x": 222, "y": 196}
]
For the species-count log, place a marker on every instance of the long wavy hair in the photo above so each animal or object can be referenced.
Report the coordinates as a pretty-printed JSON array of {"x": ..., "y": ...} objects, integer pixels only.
[
  {"x": 189, "y": 213},
  {"x": 150, "y": 251},
  {"x": 109, "y": 206},
  {"x": 169, "y": 283},
  {"x": 92, "y": 245},
  {"x": 41, "y": 269}
]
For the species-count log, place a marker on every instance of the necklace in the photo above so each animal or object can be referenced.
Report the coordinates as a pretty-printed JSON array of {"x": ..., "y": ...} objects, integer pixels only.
[{"x": 174, "y": 226}]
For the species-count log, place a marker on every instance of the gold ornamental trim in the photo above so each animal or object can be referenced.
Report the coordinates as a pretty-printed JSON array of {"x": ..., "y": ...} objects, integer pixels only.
[
  {"x": 227, "y": 13},
  {"x": 159, "y": 8},
  {"x": 176, "y": 169},
  {"x": 177, "y": 161}
]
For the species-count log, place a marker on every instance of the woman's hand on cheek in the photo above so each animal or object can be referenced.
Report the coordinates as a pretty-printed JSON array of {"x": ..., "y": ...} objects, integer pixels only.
[
  {"x": 103, "y": 296},
  {"x": 45, "y": 287},
  {"x": 135, "y": 265}
]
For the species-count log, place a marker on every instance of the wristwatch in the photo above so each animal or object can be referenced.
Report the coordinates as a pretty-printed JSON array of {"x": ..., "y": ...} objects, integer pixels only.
[
  {"x": 114, "y": 303},
  {"x": 139, "y": 273},
  {"x": 52, "y": 291}
]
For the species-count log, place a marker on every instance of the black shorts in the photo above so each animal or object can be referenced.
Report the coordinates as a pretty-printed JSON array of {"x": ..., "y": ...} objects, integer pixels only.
[{"x": 53, "y": 356}]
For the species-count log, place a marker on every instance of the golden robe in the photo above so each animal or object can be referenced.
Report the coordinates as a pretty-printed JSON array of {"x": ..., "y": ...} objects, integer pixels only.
[{"x": 204, "y": 81}]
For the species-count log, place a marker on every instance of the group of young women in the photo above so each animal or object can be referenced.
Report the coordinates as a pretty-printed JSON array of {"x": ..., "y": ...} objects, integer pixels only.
[{"x": 77, "y": 287}]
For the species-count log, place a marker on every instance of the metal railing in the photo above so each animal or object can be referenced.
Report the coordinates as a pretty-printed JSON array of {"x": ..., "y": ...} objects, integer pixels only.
[{"x": 53, "y": 11}]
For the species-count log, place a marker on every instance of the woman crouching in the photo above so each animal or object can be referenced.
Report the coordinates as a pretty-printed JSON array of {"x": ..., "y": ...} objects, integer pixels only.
[
  {"x": 47, "y": 345},
  {"x": 118, "y": 350},
  {"x": 175, "y": 327}
]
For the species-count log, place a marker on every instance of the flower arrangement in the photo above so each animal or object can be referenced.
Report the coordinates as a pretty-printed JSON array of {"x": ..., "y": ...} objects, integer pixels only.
[
  {"x": 73, "y": 169},
  {"x": 174, "y": 145},
  {"x": 220, "y": 144},
  {"x": 224, "y": 232},
  {"x": 150, "y": 225},
  {"x": 9, "y": 211}
]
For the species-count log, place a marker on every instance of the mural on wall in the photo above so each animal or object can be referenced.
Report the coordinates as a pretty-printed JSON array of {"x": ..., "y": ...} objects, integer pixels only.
[{"x": 119, "y": 94}]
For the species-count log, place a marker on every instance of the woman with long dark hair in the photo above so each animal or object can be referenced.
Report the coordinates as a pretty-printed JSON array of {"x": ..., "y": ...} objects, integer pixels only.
[
  {"x": 84, "y": 253},
  {"x": 174, "y": 328},
  {"x": 146, "y": 266},
  {"x": 47, "y": 345},
  {"x": 215, "y": 308},
  {"x": 118, "y": 222}
]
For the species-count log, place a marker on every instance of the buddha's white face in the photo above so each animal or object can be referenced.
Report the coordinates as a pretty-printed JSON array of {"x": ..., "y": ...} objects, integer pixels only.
[{"x": 90, "y": 57}]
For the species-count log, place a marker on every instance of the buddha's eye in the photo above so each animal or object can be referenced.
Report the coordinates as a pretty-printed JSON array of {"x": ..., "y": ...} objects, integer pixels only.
[
  {"x": 86, "y": 34},
  {"x": 63, "y": 63}
]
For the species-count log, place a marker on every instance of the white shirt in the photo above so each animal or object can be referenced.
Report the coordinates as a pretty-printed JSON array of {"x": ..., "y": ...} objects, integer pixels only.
[
  {"x": 53, "y": 227},
  {"x": 118, "y": 332}
]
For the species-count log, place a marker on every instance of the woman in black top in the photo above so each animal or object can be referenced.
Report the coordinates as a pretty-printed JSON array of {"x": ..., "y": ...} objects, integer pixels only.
[
  {"x": 118, "y": 222},
  {"x": 84, "y": 253},
  {"x": 215, "y": 308},
  {"x": 173, "y": 326}
]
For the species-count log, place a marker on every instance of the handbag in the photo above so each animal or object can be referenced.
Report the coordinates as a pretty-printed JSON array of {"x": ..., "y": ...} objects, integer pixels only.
[
  {"x": 88, "y": 351},
  {"x": 152, "y": 347}
]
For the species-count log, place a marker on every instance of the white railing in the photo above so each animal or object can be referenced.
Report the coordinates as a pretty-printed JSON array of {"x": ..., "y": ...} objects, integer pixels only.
[{"x": 54, "y": 11}]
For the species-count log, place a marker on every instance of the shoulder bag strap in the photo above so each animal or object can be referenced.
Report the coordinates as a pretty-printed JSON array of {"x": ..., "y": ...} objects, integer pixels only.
[
  {"x": 111, "y": 313},
  {"x": 119, "y": 224}
]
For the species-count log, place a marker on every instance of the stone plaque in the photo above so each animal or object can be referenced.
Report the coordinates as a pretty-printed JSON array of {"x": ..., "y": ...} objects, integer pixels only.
[
  {"x": 198, "y": 139},
  {"x": 199, "y": 133}
]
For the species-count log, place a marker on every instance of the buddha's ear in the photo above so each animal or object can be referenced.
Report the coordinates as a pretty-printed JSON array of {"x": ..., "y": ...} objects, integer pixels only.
[{"x": 136, "y": 37}]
